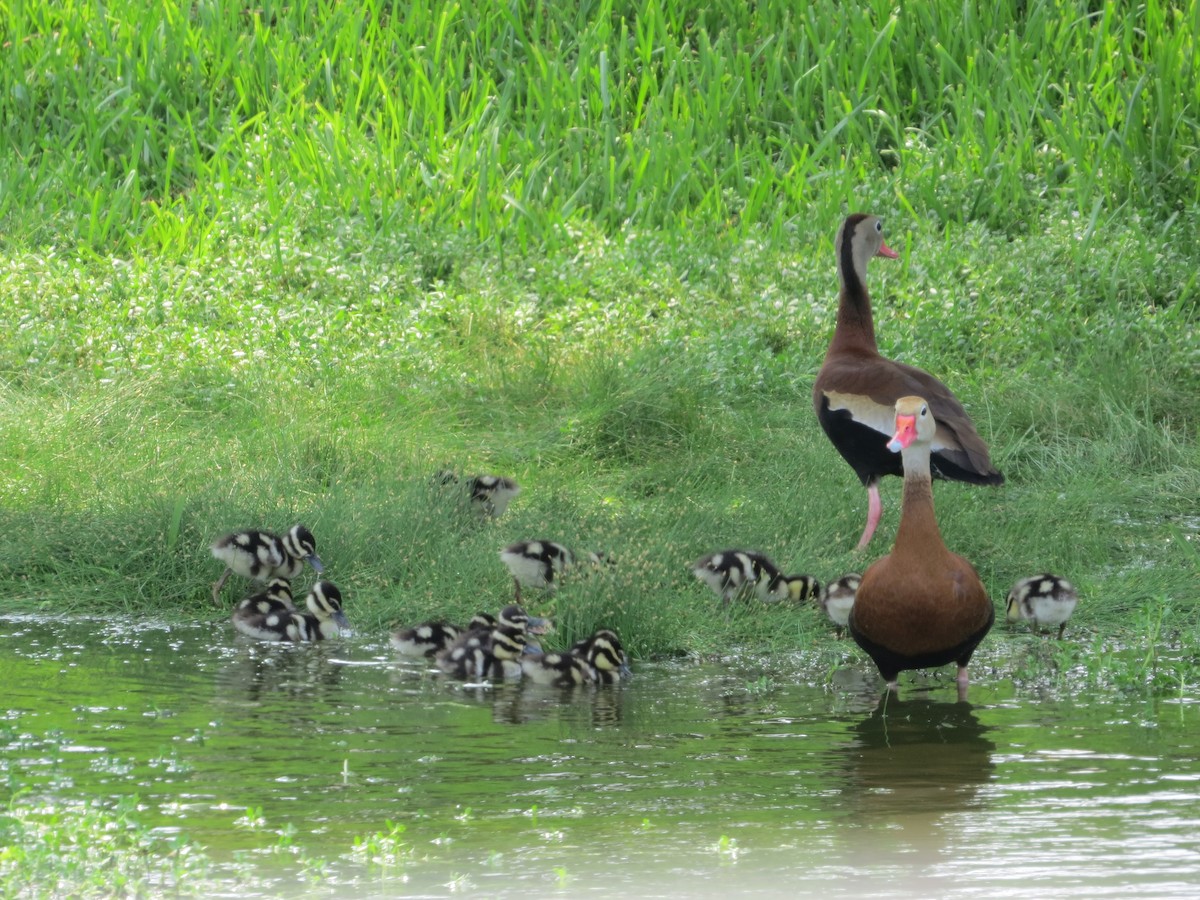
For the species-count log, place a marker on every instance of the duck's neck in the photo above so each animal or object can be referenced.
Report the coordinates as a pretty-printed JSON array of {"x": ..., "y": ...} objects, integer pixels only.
[
  {"x": 918, "y": 531},
  {"x": 855, "y": 325}
]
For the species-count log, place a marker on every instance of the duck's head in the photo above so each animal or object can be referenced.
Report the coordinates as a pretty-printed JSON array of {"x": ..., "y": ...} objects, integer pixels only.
[
  {"x": 278, "y": 589},
  {"x": 859, "y": 239},
  {"x": 606, "y": 654},
  {"x": 914, "y": 424},
  {"x": 300, "y": 544},
  {"x": 325, "y": 602},
  {"x": 514, "y": 618}
]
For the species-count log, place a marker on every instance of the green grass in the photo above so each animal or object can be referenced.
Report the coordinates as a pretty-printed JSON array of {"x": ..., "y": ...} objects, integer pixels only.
[{"x": 276, "y": 264}]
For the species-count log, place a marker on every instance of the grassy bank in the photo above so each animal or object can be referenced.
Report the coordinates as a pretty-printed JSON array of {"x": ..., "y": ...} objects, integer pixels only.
[{"x": 282, "y": 264}]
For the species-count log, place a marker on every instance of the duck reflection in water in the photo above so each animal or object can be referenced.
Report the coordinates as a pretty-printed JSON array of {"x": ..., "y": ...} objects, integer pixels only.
[
  {"x": 918, "y": 755},
  {"x": 911, "y": 768}
]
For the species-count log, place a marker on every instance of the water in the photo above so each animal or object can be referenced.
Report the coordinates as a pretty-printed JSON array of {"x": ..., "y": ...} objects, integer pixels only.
[{"x": 746, "y": 777}]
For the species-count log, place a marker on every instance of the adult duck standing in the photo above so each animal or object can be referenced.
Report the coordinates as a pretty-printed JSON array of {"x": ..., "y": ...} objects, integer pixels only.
[
  {"x": 920, "y": 606},
  {"x": 856, "y": 390}
]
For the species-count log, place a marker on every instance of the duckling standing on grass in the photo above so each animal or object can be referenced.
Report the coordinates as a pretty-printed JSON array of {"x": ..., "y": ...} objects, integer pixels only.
[
  {"x": 537, "y": 563},
  {"x": 430, "y": 638},
  {"x": 261, "y": 555},
  {"x": 1043, "y": 600},
  {"x": 744, "y": 573},
  {"x": 265, "y": 616},
  {"x": 838, "y": 600},
  {"x": 489, "y": 494}
]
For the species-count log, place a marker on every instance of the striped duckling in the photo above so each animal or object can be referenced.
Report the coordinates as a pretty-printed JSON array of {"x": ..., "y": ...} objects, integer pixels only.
[
  {"x": 265, "y": 616},
  {"x": 745, "y": 573},
  {"x": 537, "y": 564},
  {"x": 602, "y": 651},
  {"x": 1043, "y": 600},
  {"x": 430, "y": 638},
  {"x": 489, "y": 494},
  {"x": 564, "y": 669},
  {"x": 262, "y": 555},
  {"x": 838, "y": 599},
  {"x": 494, "y": 654},
  {"x": 324, "y": 619}
]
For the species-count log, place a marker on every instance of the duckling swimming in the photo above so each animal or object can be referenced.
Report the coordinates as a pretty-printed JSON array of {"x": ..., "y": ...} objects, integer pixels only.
[
  {"x": 742, "y": 573},
  {"x": 430, "y": 638},
  {"x": 838, "y": 600},
  {"x": 1043, "y": 600},
  {"x": 264, "y": 616},
  {"x": 557, "y": 669},
  {"x": 602, "y": 651},
  {"x": 324, "y": 619},
  {"x": 494, "y": 654},
  {"x": 262, "y": 555}
]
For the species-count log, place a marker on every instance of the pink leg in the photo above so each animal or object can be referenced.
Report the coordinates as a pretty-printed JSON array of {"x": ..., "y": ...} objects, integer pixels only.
[
  {"x": 963, "y": 681},
  {"x": 874, "y": 513}
]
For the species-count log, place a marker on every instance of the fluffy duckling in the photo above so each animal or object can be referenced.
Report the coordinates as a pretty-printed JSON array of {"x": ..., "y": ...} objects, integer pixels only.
[
  {"x": 265, "y": 616},
  {"x": 536, "y": 563},
  {"x": 557, "y": 669},
  {"x": 492, "y": 654},
  {"x": 1043, "y": 600},
  {"x": 733, "y": 573},
  {"x": 324, "y": 619},
  {"x": 430, "y": 638},
  {"x": 838, "y": 600},
  {"x": 261, "y": 555},
  {"x": 489, "y": 494},
  {"x": 602, "y": 651}
]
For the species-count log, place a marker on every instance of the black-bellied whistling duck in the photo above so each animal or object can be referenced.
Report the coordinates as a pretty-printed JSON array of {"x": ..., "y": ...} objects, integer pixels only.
[
  {"x": 856, "y": 390},
  {"x": 921, "y": 605},
  {"x": 1042, "y": 600},
  {"x": 745, "y": 573}
]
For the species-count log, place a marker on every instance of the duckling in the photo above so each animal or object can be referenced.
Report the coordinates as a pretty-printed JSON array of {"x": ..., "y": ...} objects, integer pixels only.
[
  {"x": 265, "y": 615},
  {"x": 495, "y": 653},
  {"x": 1043, "y": 600},
  {"x": 557, "y": 669},
  {"x": 430, "y": 638},
  {"x": 602, "y": 651},
  {"x": 535, "y": 563},
  {"x": 261, "y": 555},
  {"x": 838, "y": 600},
  {"x": 324, "y": 619},
  {"x": 489, "y": 494},
  {"x": 733, "y": 573}
]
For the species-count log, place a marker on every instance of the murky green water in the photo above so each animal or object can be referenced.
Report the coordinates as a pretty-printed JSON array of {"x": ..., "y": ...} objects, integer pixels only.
[{"x": 746, "y": 778}]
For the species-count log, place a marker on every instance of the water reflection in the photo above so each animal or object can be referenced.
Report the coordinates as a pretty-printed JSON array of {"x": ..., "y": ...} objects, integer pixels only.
[
  {"x": 741, "y": 776},
  {"x": 918, "y": 755}
]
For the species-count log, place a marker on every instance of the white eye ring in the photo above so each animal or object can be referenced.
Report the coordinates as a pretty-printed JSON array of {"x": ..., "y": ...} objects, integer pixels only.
[{"x": 879, "y": 226}]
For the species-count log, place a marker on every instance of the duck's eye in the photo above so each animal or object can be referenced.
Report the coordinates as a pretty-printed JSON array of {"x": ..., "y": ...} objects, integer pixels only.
[
  {"x": 924, "y": 411},
  {"x": 879, "y": 226}
]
